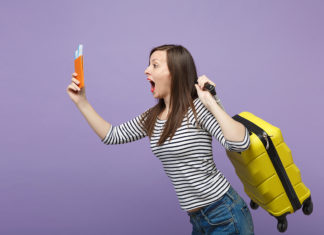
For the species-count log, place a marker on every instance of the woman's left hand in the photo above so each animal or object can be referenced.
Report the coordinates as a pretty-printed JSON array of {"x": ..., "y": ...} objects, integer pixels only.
[{"x": 204, "y": 95}]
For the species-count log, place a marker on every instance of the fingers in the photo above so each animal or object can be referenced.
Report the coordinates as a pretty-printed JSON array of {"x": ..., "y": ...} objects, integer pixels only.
[
  {"x": 74, "y": 84},
  {"x": 76, "y": 81},
  {"x": 74, "y": 87},
  {"x": 202, "y": 80}
]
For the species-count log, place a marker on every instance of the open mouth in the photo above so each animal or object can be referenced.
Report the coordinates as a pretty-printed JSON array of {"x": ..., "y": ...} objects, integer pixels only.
[{"x": 152, "y": 85}]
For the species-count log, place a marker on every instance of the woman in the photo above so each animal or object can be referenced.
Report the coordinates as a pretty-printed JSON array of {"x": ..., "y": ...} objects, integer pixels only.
[{"x": 180, "y": 128}]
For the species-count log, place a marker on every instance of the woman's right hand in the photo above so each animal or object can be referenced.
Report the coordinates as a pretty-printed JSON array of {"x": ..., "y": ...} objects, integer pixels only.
[{"x": 76, "y": 94}]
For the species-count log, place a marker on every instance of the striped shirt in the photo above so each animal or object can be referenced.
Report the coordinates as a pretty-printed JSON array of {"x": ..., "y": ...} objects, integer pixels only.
[{"x": 188, "y": 158}]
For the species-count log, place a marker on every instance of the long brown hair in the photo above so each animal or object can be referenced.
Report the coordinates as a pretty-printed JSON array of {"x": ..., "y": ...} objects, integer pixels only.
[{"x": 183, "y": 76}]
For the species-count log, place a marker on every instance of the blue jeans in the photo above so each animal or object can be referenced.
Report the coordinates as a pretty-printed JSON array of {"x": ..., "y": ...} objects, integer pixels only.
[{"x": 227, "y": 215}]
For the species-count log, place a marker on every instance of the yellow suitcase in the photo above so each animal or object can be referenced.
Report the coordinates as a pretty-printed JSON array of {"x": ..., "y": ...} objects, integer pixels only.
[{"x": 268, "y": 173}]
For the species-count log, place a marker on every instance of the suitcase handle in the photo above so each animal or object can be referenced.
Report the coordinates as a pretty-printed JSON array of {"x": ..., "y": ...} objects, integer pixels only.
[{"x": 209, "y": 87}]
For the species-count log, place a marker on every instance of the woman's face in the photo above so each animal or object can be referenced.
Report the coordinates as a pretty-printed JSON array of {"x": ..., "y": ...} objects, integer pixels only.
[{"x": 158, "y": 72}]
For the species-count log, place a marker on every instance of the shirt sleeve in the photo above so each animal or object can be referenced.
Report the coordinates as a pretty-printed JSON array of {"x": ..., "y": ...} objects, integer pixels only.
[
  {"x": 209, "y": 123},
  {"x": 125, "y": 132}
]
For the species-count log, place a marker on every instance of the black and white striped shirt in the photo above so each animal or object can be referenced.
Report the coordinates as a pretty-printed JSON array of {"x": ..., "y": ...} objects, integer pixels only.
[{"x": 188, "y": 158}]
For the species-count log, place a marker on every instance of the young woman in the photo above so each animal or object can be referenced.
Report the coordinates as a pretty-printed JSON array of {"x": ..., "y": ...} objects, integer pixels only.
[{"x": 180, "y": 128}]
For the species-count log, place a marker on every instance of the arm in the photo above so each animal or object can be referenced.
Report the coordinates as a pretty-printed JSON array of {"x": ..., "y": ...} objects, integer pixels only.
[
  {"x": 125, "y": 132},
  {"x": 97, "y": 123},
  {"x": 233, "y": 130},
  {"x": 233, "y": 135}
]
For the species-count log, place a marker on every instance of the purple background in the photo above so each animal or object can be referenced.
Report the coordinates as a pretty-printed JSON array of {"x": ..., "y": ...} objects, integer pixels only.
[{"x": 58, "y": 178}]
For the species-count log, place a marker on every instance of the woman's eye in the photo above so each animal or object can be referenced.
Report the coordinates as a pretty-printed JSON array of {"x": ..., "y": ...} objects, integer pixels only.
[{"x": 154, "y": 65}]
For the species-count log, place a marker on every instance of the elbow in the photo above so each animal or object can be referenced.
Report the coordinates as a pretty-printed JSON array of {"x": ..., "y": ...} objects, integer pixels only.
[
  {"x": 239, "y": 146},
  {"x": 246, "y": 144},
  {"x": 107, "y": 139}
]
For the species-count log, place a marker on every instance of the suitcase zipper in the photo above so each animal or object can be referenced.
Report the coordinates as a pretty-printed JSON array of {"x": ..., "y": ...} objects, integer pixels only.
[
  {"x": 265, "y": 136},
  {"x": 275, "y": 159}
]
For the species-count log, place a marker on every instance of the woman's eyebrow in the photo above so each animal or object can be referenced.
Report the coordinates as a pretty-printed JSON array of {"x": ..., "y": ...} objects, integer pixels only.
[{"x": 153, "y": 60}]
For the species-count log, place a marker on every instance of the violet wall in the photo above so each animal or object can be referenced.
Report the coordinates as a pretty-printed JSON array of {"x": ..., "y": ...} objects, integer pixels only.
[{"x": 56, "y": 177}]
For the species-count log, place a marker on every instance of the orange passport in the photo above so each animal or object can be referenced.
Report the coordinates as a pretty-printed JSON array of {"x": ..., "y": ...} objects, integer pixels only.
[
  {"x": 78, "y": 68},
  {"x": 78, "y": 65}
]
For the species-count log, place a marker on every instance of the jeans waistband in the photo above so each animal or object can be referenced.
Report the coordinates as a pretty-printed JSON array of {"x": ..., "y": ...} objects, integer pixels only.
[{"x": 229, "y": 193}]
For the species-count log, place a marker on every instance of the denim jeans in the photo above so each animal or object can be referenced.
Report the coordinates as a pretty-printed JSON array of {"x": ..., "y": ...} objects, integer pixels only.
[{"x": 227, "y": 215}]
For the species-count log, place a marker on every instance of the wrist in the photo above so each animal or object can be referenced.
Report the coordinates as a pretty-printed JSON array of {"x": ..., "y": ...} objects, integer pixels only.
[
  {"x": 210, "y": 101},
  {"x": 82, "y": 103}
]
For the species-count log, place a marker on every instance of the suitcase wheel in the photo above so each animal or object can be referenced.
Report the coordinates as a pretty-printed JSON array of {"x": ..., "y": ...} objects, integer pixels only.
[
  {"x": 282, "y": 224},
  {"x": 253, "y": 205},
  {"x": 308, "y": 206}
]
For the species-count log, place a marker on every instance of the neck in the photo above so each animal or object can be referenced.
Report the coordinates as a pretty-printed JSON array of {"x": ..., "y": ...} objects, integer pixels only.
[{"x": 167, "y": 103}]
